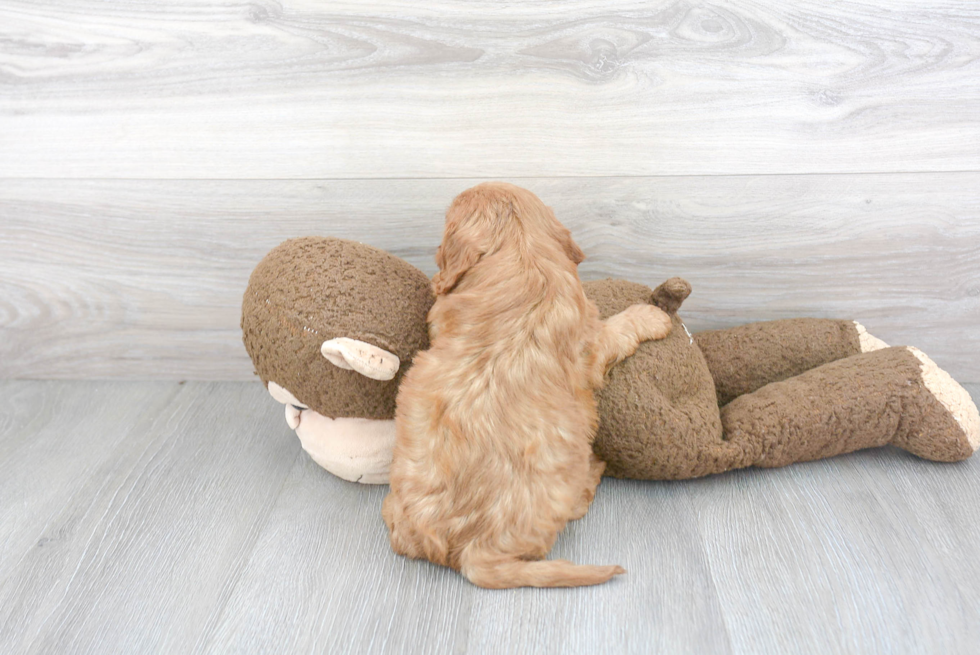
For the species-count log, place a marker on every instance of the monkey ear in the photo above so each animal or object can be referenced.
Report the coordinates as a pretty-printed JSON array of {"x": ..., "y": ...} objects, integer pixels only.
[
  {"x": 455, "y": 256},
  {"x": 368, "y": 360}
]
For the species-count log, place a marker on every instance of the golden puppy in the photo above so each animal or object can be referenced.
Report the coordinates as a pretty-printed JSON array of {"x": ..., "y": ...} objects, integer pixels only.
[{"x": 494, "y": 423}]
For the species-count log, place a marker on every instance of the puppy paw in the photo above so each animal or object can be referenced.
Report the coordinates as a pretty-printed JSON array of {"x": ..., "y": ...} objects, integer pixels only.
[{"x": 650, "y": 322}]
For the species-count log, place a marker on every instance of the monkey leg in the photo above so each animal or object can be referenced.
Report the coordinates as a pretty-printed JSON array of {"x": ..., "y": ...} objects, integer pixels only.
[
  {"x": 890, "y": 396},
  {"x": 748, "y": 357}
]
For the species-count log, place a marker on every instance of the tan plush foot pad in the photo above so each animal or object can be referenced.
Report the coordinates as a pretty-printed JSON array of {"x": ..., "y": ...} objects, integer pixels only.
[
  {"x": 953, "y": 397},
  {"x": 869, "y": 342}
]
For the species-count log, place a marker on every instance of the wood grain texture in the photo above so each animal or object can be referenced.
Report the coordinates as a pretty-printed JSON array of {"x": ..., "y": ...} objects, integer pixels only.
[
  {"x": 844, "y": 556},
  {"x": 128, "y": 510},
  {"x": 303, "y": 89},
  {"x": 193, "y": 523},
  {"x": 143, "y": 279},
  {"x": 667, "y": 601},
  {"x": 322, "y": 579},
  {"x": 37, "y": 473}
]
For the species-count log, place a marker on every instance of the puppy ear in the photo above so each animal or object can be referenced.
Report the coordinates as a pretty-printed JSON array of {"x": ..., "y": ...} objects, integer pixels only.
[
  {"x": 458, "y": 251},
  {"x": 454, "y": 257},
  {"x": 564, "y": 237},
  {"x": 572, "y": 250},
  {"x": 561, "y": 234}
]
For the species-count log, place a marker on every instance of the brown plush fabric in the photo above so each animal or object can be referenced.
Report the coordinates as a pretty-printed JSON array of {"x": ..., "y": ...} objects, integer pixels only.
[
  {"x": 748, "y": 357},
  {"x": 669, "y": 295},
  {"x": 658, "y": 407},
  {"x": 309, "y": 290},
  {"x": 859, "y": 402},
  {"x": 804, "y": 392},
  {"x": 792, "y": 390}
]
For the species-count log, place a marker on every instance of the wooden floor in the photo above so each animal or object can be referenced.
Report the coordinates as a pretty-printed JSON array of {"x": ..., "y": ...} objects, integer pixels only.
[{"x": 143, "y": 517}]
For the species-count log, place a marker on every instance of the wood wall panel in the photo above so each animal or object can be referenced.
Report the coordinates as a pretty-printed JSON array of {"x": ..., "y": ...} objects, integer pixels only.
[
  {"x": 306, "y": 89},
  {"x": 143, "y": 279}
]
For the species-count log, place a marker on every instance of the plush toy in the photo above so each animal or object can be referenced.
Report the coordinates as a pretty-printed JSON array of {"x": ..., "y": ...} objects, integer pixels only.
[{"x": 332, "y": 325}]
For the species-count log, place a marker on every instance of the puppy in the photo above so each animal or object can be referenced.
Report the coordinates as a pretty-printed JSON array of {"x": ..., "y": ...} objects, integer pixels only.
[{"x": 494, "y": 423}]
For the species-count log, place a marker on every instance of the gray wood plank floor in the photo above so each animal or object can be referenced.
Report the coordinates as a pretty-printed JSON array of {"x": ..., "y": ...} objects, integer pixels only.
[{"x": 168, "y": 517}]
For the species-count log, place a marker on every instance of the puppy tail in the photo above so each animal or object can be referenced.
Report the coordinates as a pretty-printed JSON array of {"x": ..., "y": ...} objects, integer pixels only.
[{"x": 501, "y": 572}]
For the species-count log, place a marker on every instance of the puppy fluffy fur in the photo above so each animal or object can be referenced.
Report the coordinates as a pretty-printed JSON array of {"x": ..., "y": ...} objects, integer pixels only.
[{"x": 495, "y": 422}]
